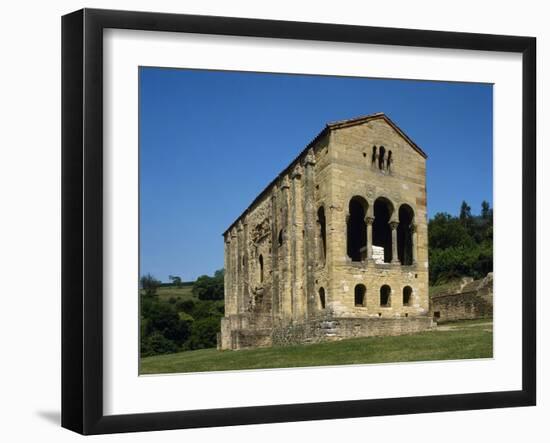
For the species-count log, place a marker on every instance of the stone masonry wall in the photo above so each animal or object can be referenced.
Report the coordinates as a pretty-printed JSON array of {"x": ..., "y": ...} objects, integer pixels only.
[
  {"x": 474, "y": 301},
  {"x": 330, "y": 328},
  {"x": 286, "y": 256}
]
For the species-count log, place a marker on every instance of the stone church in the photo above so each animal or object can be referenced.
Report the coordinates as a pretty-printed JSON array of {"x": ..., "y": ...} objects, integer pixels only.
[{"x": 336, "y": 246}]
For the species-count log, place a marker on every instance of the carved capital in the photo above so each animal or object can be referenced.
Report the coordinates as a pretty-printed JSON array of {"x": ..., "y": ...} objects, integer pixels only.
[
  {"x": 310, "y": 158},
  {"x": 369, "y": 219},
  {"x": 285, "y": 183},
  {"x": 413, "y": 228},
  {"x": 297, "y": 172},
  {"x": 394, "y": 224}
]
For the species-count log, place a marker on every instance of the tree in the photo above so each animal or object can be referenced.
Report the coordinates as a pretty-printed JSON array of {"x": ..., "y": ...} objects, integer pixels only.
[
  {"x": 209, "y": 288},
  {"x": 485, "y": 210},
  {"x": 460, "y": 246},
  {"x": 465, "y": 212},
  {"x": 155, "y": 344},
  {"x": 149, "y": 284},
  {"x": 176, "y": 280},
  {"x": 203, "y": 333},
  {"x": 163, "y": 318},
  {"x": 445, "y": 231}
]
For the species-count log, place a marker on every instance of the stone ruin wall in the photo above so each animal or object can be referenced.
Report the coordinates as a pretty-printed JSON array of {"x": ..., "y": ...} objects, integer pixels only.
[
  {"x": 282, "y": 227},
  {"x": 470, "y": 301}
]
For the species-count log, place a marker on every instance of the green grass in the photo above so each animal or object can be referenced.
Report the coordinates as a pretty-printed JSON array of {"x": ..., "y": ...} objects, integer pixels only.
[
  {"x": 164, "y": 293},
  {"x": 434, "y": 290},
  {"x": 459, "y": 340}
]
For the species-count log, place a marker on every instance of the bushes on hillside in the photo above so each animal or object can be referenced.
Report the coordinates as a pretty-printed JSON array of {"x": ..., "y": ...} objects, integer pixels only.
[
  {"x": 156, "y": 344},
  {"x": 461, "y": 246},
  {"x": 209, "y": 288},
  {"x": 203, "y": 334},
  {"x": 149, "y": 284},
  {"x": 174, "y": 325}
]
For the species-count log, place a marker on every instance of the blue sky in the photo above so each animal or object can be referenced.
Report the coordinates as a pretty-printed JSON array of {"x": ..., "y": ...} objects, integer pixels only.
[{"x": 210, "y": 141}]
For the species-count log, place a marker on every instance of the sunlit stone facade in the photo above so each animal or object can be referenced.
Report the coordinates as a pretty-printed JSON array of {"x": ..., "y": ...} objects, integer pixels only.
[{"x": 336, "y": 246}]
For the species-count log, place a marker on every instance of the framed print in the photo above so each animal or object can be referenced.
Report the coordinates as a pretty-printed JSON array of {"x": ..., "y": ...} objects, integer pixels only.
[{"x": 269, "y": 221}]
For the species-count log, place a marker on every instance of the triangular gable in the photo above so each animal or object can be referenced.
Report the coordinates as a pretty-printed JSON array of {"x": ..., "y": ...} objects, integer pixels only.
[
  {"x": 380, "y": 115},
  {"x": 328, "y": 127}
]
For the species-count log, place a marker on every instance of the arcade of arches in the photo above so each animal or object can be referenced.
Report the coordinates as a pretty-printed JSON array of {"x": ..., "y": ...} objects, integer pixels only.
[{"x": 380, "y": 228}]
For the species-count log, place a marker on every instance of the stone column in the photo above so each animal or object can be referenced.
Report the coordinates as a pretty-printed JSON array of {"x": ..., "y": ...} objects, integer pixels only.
[
  {"x": 368, "y": 221},
  {"x": 286, "y": 298},
  {"x": 296, "y": 242},
  {"x": 394, "y": 258},
  {"x": 245, "y": 273},
  {"x": 227, "y": 283},
  {"x": 309, "y": 215},
  {"x": 414, "y": 235},
  {"x": 275, "y": 305},
  {"x": 240, "y": 282},
  {"x": 234, "y": 270}
]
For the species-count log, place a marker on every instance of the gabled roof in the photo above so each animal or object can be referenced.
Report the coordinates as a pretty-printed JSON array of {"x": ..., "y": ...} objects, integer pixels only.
[
  {"x": 325, "y": 131},
  {"x": 379, "y": 115}
]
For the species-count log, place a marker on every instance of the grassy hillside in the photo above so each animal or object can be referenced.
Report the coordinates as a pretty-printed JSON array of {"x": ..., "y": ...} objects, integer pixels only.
[
  {"x": 444, "y": 287},
  {"x": 164, "y": 293},
  {"x": 460, "y": 340}
]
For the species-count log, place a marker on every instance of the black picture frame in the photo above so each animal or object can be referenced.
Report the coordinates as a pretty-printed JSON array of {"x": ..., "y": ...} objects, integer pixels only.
[{"x": 82, "y": 218}]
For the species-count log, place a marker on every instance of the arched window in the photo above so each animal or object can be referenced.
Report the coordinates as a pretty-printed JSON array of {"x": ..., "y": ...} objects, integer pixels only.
[
  {"x": 374, "y": 155},
  {"x": 404, "y": 235},
  {"x": 357, "y": 230},
  {"x": 389, "y": 161},
  {"x": 385, "y": 296},
  {"x": 407, "y": 295},
  {"x": 381, "y": 231},
  {"x": 322, "y": 234},
  {"x": 280, "y": 238},
  {"x": 322, "y": 299},
  {"x": 382, "y": 158},
  {"x": 360, "y": 292},
  {"x": 261, "y": 263}
]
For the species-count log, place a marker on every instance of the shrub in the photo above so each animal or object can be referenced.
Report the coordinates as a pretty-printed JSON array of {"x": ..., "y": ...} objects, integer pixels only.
[
  {"x": 155, "y": 344},
  {"x": 185, "y": 305},
  {"x": 209, "y": 288},
  {"x": 149, "y": 284},
  {"x": 460, "y": 246},
  {"x": 162, "y": 318},
  {"x": 203, "y": 333}
]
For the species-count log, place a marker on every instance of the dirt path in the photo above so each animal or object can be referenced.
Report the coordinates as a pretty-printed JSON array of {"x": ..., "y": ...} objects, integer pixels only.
[{"x": 461, "y": 325}]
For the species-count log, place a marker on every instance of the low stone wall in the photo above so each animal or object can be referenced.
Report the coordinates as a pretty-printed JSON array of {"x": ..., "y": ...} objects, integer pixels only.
[
  {"x": 237, "y": 331},
  {"x": 251, "y": 338},
  {"x": 465, "y": 306},
  {"x": 475, "y": 301},
  {"x": 328, "y": 328},
  {"x": 244, "y": 331}
]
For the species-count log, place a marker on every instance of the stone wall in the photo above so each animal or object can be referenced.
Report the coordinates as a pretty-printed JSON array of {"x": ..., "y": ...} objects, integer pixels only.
[
  {"x": 288, "y": 258},
  {"x": 330, "y": 328},
  {"x": 473, "y": 301}
]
